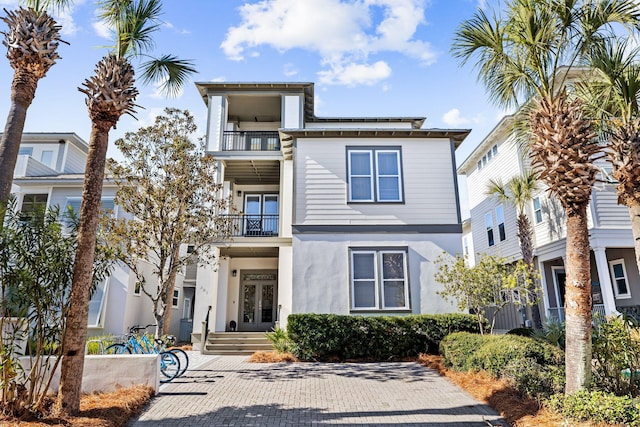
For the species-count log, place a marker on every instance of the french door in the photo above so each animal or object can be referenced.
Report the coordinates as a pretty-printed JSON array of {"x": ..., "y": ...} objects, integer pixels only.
[
  {"x": 258, "y": 295},
  {"x": 261, "y": 215}
]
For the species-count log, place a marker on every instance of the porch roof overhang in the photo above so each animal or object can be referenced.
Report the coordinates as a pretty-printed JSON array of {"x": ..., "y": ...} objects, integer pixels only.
[
  {"x": 252, "y": 171},
  {"x": 249, "y": 252}
]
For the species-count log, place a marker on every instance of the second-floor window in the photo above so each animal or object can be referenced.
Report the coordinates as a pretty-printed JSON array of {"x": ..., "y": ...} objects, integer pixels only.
[
  {"x": 375, "y": 175},
  {"x": 537, "y": 210},
  {"x": 500, "y": 220},
  {"x": 488, "y": 222}
]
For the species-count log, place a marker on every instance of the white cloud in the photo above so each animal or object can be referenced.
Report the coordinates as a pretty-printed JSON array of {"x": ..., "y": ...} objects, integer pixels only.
[
  {"x": 159, "y": 94},
  {"x": 454, "y": 118},
  {"x": 103, "y": 30},
  {"x": 62, "y": 17},
  {"x": 219, "y": 79},
  {"x": 355, "y": 74},
  {"x": 342, "y": 32},
  {"x": 290, "y": 70}
]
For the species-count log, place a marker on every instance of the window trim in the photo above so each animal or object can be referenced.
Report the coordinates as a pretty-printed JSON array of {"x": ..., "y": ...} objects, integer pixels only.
[
  {"x": 175, "y": 299},
  {"x": 614, "y": 279},
  {"x": 537, "y": 210},
  {"x": 488, "y": 224},
  {"x": 378, "y": 279},
  {"x": 502, "y": 233},
  {"x": 374, "y": 176}
]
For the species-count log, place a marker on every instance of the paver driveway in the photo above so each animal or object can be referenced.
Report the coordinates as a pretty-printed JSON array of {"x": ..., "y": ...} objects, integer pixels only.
[{"x": 228, "y": 391}]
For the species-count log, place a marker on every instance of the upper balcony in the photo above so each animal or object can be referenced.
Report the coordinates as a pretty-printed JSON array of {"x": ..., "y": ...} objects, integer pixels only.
[{"x": 250, "y": 141}]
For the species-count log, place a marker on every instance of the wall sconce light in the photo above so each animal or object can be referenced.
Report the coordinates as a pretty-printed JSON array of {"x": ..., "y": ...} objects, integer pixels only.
[
  {"x": 239, "y": 193},
  {"x": 234, "y": 273}
]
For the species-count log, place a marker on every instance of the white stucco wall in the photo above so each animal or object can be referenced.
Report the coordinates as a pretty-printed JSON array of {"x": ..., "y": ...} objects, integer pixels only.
[{"x": 321, "y": 269}]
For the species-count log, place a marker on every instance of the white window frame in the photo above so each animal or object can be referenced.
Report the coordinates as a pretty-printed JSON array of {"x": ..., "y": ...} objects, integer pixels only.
[
  {"x": 175, "y": 300},
  {"x": 374, "y": 176},
  {"x": 99, "y": 320},
  {"x": 537, "y": 210},
  {"x": 500, "y": 221},
  {"x": 614, "y": 279},
  {"x": 378, "y": 279},
  {"x": 488, "y": 223}
]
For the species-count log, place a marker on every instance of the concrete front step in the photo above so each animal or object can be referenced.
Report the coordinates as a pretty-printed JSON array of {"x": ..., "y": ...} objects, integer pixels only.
[{"x": 240, "y": 343}]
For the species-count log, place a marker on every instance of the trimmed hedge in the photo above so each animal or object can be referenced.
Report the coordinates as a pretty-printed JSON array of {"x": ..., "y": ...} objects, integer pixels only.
[
  {"x": 534, "y": 367},
  {"x": 331, "y": 336},
  {"x": 599, "y": 407}
]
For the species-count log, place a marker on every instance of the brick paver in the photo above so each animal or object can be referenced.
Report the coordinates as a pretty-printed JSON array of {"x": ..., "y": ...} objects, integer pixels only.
[{"x": 229, "y": 391}]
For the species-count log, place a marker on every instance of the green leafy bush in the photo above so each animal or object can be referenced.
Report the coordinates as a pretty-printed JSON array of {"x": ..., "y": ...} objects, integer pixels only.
[
  {"x": 597, "y": 406},
  {"x": 535, "y": 368},
  {"x": 330, "y": 336},
  {"x": 616, "y": 348},
  {"x": 280, "y": 340}
]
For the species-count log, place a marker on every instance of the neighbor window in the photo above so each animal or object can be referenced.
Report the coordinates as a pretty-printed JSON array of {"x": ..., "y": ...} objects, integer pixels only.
[
  {"x": 488, "y": 222},
  {"x": 537, "y": 210},
  {"x": 73, "y": 203},
  {"x": 619, "y": 276},
  {"x": 96, "y": 303},
  {"x": 46, "y": 157},
  {"x": 176, "y": 298},
  {"x": 33, "y": 204},
  {"x": 374, "y": 175},
  {"x": 379, "y": 280},
  {"x": 25, "y": 151},
  {"x": 500, "y": 221}
]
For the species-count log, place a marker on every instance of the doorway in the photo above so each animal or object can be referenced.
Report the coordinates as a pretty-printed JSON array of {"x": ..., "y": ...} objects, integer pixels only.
[
  {"x": 559, "y": 279},
  {"x": 261, "y": 215},
  {"x": 258, "y": 294}
]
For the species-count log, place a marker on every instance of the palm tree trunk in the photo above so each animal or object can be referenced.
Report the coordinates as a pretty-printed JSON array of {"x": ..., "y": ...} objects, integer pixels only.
[
  {"x": 525, "y": 236},
  {"x": 634, "y": 214},
  {"x": 75, "y": 337},
  {"x": 23, "y": 90},
  {"x": 578, "y": 301}
]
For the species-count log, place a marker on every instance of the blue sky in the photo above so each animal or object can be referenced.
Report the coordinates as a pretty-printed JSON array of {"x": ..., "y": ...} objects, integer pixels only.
[{"x": 366, "y": 58}]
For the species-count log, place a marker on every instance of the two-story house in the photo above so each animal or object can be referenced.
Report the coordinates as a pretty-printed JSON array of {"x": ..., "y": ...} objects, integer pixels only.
[
  {"x": 330, "y": 215},
  {"x": 50, "y": 172},
  {"x": 614, "y": 274}
]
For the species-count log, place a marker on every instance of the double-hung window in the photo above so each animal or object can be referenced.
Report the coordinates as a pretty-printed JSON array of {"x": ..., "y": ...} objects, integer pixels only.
[
  {"x": 500, "y": 221},
  {"x": 537, "y": 210},
  {"x": 374, "y": 175},
  {"x": 488, "y": 222},
  {"x": 619, "y": 275},
  {"x": 379, "y": 279}
]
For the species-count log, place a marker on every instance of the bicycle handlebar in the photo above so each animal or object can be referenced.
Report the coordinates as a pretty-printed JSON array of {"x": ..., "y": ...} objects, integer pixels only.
[{"x": 137, "y": 328}]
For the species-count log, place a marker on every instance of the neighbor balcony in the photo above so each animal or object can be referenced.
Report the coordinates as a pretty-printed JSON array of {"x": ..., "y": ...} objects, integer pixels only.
[{"x": 250, "y": 141}]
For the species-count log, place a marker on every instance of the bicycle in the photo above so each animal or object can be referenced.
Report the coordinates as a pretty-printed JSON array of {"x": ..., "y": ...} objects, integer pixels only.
[{"x": 169, "y": 362}]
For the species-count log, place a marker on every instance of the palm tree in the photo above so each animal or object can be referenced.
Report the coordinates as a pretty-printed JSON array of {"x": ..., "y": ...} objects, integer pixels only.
[
  {"x": 32, "y": 49},
  {"x": 110, "y": 93},
  {"x": 518, "y": 192},
  {"x": 526, "y": 58},
  {"x": 612, "y": 97}
]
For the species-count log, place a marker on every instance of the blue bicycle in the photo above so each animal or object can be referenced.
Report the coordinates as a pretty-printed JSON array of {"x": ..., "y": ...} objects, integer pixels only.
[{"x": 170, "y": 365}]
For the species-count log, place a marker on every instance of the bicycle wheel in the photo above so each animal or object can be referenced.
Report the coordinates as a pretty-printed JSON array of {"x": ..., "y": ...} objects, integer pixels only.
[
  {"x": 184, "y": 360},
  {"x": 117, "y": 349},
  {"x": 169, "y": 366}
]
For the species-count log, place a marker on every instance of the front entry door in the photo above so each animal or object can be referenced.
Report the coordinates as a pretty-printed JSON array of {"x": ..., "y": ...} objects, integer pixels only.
[{"x": 258, "y": 293}]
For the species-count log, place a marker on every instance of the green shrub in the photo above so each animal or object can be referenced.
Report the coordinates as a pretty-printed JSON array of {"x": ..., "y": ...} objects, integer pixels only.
[
  {"x": 535, "y": 368},
  {"x": 597, "y": 407},
  {"x": 616, "y": 348},
  {"x": 330, "y": 336},
  {"x": 280, "y": 340},
  {"x": 523, "y": 332}
]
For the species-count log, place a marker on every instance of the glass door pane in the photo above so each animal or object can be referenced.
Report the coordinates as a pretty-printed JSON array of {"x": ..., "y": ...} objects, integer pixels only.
[
  {"x": 270, "y": 210},
  {"x": 266, "y": 303},
  {"x": 253, "y": 218},
  {"x": 249, "y": 304}
]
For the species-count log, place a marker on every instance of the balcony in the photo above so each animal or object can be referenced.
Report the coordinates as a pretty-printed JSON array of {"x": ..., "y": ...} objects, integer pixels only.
[
  {"x": 243, "y": 225},
  {"x": 250, "y": 141}
]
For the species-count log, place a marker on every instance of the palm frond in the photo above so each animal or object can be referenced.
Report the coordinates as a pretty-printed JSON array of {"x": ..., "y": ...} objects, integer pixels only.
[
  {"x": 496, "y": 188},
  {"x": 169, "y": 71},
  {"x": 133, "y": 23},
  {"x": 53, "y": 5}
]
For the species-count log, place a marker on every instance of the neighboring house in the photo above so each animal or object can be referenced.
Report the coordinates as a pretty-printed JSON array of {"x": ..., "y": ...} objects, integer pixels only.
[
  {"x": 50, "y": 172},
  {"x": 330, "y": 215},
  {"x": 614, "y": 274}
]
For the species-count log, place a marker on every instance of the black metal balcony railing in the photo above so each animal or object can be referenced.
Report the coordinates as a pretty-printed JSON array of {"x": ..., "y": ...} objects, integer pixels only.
[
  {"x": 250, "y": 141},
  {"x": 243, "y": 225}
]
